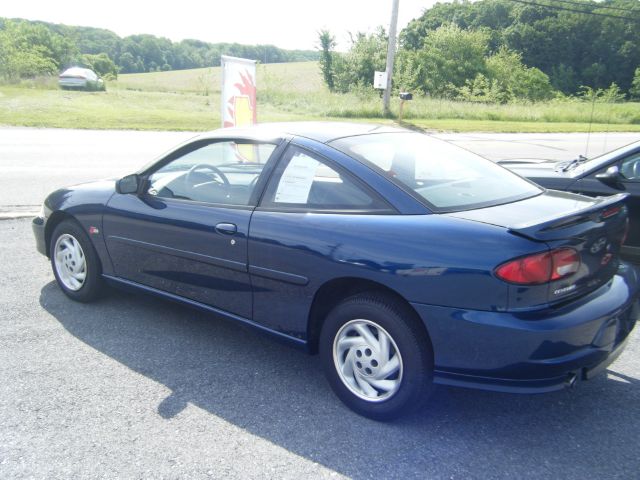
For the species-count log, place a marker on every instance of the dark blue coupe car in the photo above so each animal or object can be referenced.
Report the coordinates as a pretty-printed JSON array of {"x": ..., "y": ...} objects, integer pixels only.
[{"x": 403, "y": 260}]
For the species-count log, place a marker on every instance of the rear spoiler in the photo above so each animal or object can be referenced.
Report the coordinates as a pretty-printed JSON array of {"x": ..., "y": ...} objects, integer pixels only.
[{"x": 571, "y": 224}]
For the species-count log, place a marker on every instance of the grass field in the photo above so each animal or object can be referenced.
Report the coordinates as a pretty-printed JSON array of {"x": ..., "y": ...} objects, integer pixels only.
[{"x": 190, "y": 100}]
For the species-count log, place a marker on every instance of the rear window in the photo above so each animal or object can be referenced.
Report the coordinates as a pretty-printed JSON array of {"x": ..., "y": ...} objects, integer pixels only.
[{"x": 445, "y": 177}]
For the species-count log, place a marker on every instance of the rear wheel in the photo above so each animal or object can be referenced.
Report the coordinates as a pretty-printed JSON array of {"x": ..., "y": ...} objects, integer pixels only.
[
  {"x": 376, "y": 356},
  {"x": 75, "y": 262}
]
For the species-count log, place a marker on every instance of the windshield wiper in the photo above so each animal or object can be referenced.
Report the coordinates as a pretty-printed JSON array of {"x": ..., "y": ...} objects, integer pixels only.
[{"x": 568, "y": 165}]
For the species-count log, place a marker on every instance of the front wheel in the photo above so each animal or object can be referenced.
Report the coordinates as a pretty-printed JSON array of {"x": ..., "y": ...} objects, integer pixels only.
[
  {"x": 377, "y": 356},
  {"x": 75, "y": 262}
]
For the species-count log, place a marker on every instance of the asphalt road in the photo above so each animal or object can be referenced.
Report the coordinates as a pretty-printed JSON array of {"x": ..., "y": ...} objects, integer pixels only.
[
  {"x": 34, "y": 162},
  {"x": 555, "y": 146},
  {"x": 135, "y": 387}
]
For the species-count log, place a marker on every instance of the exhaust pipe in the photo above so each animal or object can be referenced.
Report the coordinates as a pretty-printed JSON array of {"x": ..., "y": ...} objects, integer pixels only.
[{"x": 570, "y": 381}]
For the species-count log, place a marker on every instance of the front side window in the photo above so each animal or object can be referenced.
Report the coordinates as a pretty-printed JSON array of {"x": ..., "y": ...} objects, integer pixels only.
[
  {"x": 305, "y": 181},
  {"x": 446, "y": 177},
  {"x": 219, "y": 173}
]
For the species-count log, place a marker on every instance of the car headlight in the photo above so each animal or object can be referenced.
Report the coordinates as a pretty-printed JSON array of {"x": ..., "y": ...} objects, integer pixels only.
[{"x": 44, "y": 211}]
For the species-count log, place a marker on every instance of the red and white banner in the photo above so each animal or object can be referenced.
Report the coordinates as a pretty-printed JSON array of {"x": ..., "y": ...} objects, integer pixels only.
[{"x": 238, "y": 92}]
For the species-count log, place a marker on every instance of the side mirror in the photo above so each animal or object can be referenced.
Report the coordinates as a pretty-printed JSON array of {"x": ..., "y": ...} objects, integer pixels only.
[
  {"x": 611, "y": 177},
  {"x": 128, "y": 184}
]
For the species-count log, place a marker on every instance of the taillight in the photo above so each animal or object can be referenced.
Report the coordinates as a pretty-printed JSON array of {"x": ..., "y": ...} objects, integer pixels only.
[
  {"x": 540, "y": 267},
  {"x": 566, "y": 261},
  {"x": 610, "y": 212}
]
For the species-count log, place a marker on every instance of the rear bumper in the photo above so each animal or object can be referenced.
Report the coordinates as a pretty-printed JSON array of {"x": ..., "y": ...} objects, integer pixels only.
[
  {"x": 72, "y": 83},
  {"x": 533, "y": 352}
]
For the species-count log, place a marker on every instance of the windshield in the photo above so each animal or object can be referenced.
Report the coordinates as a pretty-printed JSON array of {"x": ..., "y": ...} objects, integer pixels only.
[{"x": 446, "y": 177}]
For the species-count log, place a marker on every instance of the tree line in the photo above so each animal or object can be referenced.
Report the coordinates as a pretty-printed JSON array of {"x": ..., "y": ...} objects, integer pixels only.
[
  {"x": 32, "y": 48},
  {"x": 502, "y": 50}
]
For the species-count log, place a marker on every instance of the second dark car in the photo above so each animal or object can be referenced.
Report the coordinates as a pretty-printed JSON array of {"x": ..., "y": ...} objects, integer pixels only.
[
  {"x": 614, "y": 172},
  {"x": 403, "y": 260}
]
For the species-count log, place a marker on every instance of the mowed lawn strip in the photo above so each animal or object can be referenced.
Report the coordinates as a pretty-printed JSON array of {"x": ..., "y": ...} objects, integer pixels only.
[{"x": 190, "y": 100}]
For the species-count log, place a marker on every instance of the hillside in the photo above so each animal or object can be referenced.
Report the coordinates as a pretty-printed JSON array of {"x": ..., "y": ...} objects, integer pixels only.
[
  {"x": 59, "y": 46},
  {"x": 294, "y": 77}
]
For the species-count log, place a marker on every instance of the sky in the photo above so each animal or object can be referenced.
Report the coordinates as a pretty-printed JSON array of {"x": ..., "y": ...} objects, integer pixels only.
[{"x": 287, "y": 24}]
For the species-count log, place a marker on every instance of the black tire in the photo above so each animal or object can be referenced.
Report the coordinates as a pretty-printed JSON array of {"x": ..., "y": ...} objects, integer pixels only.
[
  {"x": 92, "y": 285},
  {"x": 413, "y": 380}
]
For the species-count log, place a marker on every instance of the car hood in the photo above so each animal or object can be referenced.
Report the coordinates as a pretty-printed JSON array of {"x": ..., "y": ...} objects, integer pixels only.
[{"x": 84, "y": 194}]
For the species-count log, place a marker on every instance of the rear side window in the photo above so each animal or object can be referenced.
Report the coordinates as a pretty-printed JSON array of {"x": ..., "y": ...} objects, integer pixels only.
[
  {"x": 304, "y": 181},
  {"x": 447, "y": 178}
]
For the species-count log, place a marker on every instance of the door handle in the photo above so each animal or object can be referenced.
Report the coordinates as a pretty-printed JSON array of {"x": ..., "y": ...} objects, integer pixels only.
[{"x": 226, "y": 228}]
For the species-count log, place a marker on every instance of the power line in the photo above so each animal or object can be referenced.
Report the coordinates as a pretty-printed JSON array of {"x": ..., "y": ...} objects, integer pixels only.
[
  {"x": 599, "y": 6},
  {"x": 586, "y": 12}
]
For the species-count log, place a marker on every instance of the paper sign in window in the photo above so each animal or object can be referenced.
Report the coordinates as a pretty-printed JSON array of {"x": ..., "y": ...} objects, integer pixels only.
[{"x": 295, "y": 183}]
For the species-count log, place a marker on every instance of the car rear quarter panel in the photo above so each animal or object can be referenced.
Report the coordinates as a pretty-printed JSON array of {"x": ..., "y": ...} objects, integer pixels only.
[
  {"x": 542, "y": 344},
  {"x": 428, "y": 259}
]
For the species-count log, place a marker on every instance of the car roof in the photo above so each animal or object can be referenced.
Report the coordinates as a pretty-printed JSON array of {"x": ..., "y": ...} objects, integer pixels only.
[
  {"x": 323, "y": 132},
  {"x": 77, "y": 71}
]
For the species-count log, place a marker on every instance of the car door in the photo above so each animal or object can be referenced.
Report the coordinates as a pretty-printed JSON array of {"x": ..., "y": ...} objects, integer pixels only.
[
  {"x": 186, "y": 232},
  {"x": 628, "y": 182},
  {"x": 310, "y": 206}
]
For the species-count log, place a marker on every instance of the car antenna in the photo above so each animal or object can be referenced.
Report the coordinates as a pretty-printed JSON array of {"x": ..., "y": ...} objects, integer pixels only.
[
  {"x": 593, "y": 106},
  {"x": 606, "y": 133}
]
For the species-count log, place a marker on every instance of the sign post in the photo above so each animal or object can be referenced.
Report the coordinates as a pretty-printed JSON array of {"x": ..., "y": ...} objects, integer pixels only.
[
  {"x": 238, "y": 96},
  {"x": 391, "y": 53}
]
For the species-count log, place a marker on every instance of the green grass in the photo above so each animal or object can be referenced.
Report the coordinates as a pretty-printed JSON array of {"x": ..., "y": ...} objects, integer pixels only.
[
  {"x": 190, "y": 100},
  {"x": 112, "y": 110},
  {"x": 500, "y": 126}
]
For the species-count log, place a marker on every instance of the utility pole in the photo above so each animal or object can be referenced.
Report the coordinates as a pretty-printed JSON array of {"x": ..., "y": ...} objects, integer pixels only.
[{"x": 391, "y": 53}]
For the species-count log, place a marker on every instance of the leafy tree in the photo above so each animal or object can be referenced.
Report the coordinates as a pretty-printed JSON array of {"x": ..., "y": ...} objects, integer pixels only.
[
  {"x": 127, "y": 62},
  {"x": 327, "y": 44},
  {"x": 101, "y": 64},
  {"x": 356, "y": 68},
  {"x": 635, "y": 85},
  {"x": 448, "y": 58},
  {"x": 24, "y": 64},
  {"x": 64, "y": 46},
  {"x": 515, "y": 79},
  {"x": 91, "y": 40},
  {"x": 613, "y": 94},
  {"x": 572, "y": 48},
  {"x": 507, "y": 80},
  {"x": 28, "y": 50}
]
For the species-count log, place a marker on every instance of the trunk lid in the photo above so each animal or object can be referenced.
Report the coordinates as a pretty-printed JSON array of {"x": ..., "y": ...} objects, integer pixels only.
[{"x": 593, "y": 227}]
